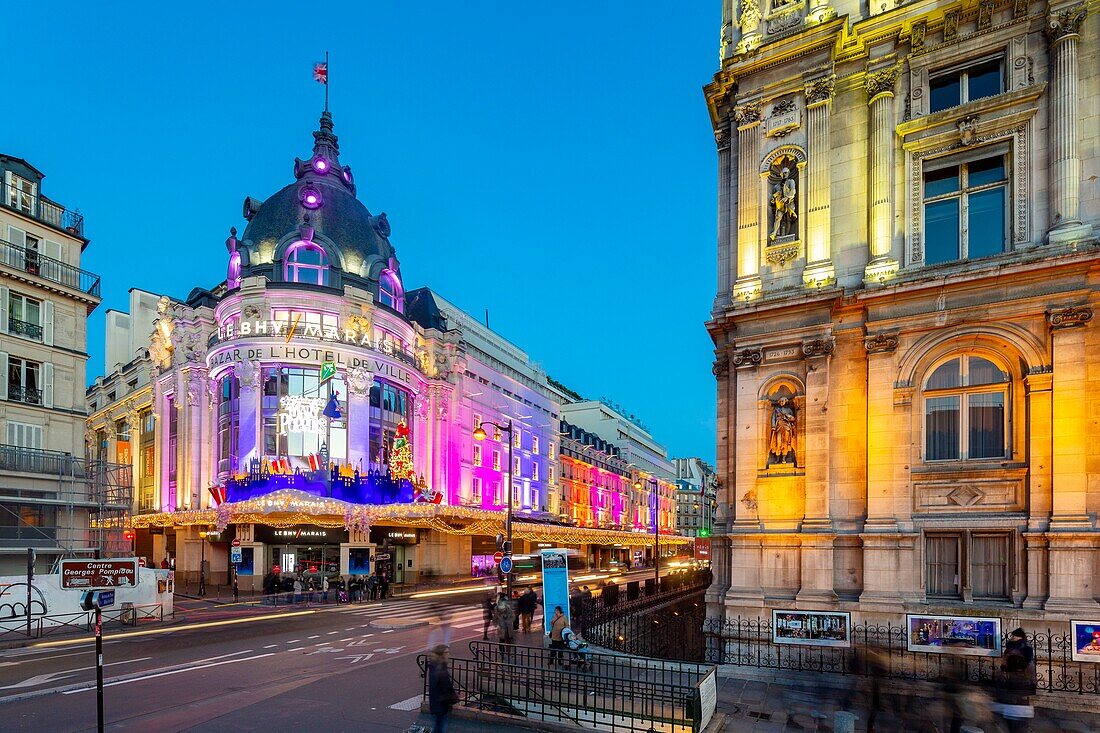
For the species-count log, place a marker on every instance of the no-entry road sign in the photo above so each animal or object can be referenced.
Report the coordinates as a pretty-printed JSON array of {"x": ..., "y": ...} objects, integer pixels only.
[
  {"x": 235, "y": 543},
  {"x": 497, "y": 557},
  {"x": 99, "y": 574}
]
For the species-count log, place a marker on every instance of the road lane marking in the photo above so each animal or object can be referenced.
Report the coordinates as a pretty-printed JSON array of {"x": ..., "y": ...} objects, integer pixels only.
[
  {"x": 296, "y": 649},
  {"x": 350, "y": 628},
  {"x": 333, "y": 632},
  {"x": 315, "y": 636},
  {"x": 271, "y": 646},
  {"x": 347, "y": 639},
  {"x": 40, "y": 679},
  {"x": 166, "y": 674},
  {"x": 292, "y": 641},
  {"x": 413, "y": 703},
  {"x": 388, "y": 631}
]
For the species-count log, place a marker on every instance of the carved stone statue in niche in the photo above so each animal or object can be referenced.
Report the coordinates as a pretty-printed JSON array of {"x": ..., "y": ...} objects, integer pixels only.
[
  {"x": 783, "y": 201},
  {"x": 783, "y": 436}
]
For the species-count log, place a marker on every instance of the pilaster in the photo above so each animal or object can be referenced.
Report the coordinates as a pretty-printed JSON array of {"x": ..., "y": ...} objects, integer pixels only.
[
  {"x": 1071, "y": 442},
  {"x": 748, "y": 119},
  {"x": 880, "y": 92},
  {"x": 726, "y": 245},
  {"x": 819, "y": 270}
]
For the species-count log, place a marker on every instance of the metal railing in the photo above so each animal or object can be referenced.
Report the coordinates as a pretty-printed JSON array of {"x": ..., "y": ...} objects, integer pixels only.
[
  {"x": 619, "y": 702},
  {"x": 43, "y": 209},
  {"x": 668, "y": 627},
  {"x": 33, "y": 262},
  {"x": 80, "y": 621},
  {"x": 109, "y": 482},
  {"x": 28, "y": 395},
  {"x": 880, "y": 650},
  {"x": 25, "y": 328}
]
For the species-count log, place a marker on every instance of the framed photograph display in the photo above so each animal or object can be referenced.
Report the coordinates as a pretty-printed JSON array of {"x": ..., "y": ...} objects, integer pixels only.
[
  {"x": 970, "y": 635},
  {"x": 812, "y": 628},
  {"x": 1086, "y": 640}
]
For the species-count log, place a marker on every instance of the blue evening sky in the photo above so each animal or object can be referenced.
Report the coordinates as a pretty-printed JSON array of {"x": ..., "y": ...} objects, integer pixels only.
[{"x": 550, "y": 161}]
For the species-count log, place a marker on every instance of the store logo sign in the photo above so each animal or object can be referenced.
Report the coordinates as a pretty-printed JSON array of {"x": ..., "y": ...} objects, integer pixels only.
[{"x": 302, "y": 415}]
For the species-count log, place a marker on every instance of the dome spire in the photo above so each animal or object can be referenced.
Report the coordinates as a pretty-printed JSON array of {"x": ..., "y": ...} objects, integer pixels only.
[{"x": 325, "y": 160}]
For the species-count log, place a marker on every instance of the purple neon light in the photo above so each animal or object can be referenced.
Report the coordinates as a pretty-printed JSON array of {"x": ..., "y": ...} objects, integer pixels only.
[
  {"x": 311, "y": 199},
  {"x": 321, "y": 165}
]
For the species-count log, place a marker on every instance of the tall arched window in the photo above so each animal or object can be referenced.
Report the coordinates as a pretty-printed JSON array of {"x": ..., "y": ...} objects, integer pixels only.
[
  {"x": 390, "y": 292},
  {"x": 306, "y": 263},
  {"x": 966, "y": 410}
]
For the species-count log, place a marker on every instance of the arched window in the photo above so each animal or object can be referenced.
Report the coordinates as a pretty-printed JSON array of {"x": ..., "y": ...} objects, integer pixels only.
[
  {"x": 389, "y": 291},
  {"x": 966, "y": 410},
  {"x": 306, "y": 263}
]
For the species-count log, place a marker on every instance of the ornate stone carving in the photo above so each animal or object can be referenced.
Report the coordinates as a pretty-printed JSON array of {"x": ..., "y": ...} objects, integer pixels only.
[
  {"x": 1075, "y": 315},
  {"x": 785, "y": 20},
  {"x": 781, "y": 254},
  {"x": 749, "y": 500},
  {"x": 820, "y": 90},
  {"x": 985, "y": 14},
  {"x": 749, "y": 22},
  {"x": 381, "y": 225},
  {"x": 1019, "y": 8},
  {"x": 882, "y": 81},
  {"x": 721, "y": 367},
  {"x": 916, "y": 37},
  {"x": 722, "y": 138},
  {"x": 748, "y": 357},
  {"x": 951, "y": 25},
  {"x": 249, "y": 374},
  {"x": 966, "y": 495},
  {"x": 818, "y": 347},
  {"x": 746, "y": 114},
  {"x": 782, "y": 200},
  {"x": 194, "y": 392},
  {"x": 968, "y": 129},
  {"x": 1065, "y": 23},
  {"x": 784, "y": 118},
  {"x": 783, "y": 432},
  {"x": 250, "y": 312},
  {"x": 881, "y": 343},
  {"x": 190, "y": 344},
  {"x": 359, "y": 380}
]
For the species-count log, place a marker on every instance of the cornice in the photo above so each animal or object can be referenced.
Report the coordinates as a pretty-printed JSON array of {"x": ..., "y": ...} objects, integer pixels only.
[
  {"x": 980, "y": 107},
  {"x": 783, "y": 50}
]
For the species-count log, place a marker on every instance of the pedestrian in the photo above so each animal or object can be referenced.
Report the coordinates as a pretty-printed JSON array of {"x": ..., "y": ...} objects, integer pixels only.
[
  {"x": 515, "y": 607},
  {"x": 441, "y": 688},
  {"x": 383, "y": 586},
  {"x": 527, "y": 603},
  {"x": 1018, "y": 682},
  {"x": 324, "y": 588},
  {"x": 297, "y": 590},
  {"x": 505, "y": 618},
  {"x": 271, "y": 586},
  {"x": 372, "y": 587},
  {"x": 488, "y": 607},
  {"x": 558, "y": 624},
  {"x": 164, "y": 563}
]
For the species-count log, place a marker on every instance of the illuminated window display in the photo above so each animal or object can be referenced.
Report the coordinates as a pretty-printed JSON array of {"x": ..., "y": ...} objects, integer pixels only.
[{"x": 294, "y": 427}]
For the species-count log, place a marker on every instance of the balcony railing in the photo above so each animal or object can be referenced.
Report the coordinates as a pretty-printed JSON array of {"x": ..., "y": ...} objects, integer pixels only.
[
  {"x": 24, "y": 394},
  {"x": 41, "y": 208},
  {"x": 24, "y": 328},
  {"x": 109, "y": 483},
  {"x": 47, "y": 268}
]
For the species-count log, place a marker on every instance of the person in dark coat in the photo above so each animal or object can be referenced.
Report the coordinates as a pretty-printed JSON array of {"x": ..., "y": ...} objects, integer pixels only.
[
  {"x": 441, "y": 688},
  {"x": 383, "y": 586},
  {"x": 526, "y": 606},
  {"x": 1018, "y": 682},
  {"x": 488, "y": 607}
]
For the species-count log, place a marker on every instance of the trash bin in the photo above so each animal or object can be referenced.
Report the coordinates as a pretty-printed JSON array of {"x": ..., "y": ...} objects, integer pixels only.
[
  {"x": 844, "y": 722},
  {"x": 129, "y": 615}
]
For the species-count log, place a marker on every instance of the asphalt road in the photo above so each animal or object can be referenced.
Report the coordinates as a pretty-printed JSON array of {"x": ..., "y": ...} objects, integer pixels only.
[{"x": 332, "y": 668}]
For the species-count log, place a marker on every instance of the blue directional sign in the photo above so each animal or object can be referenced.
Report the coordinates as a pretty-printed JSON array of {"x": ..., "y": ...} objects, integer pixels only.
[
  {"x": 105, "y": 598},
  {"x": 506, "y": 564}
]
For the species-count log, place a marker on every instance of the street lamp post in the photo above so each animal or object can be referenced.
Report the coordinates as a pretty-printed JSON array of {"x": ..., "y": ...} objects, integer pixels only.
[
  {"x": 202, "y": 564},
  {"x": 656, "y": 533},
  {"x": 479, "y": 434}
]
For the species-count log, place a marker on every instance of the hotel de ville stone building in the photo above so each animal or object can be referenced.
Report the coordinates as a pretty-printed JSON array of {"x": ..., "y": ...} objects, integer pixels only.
[{"x": 906, "y": 333}]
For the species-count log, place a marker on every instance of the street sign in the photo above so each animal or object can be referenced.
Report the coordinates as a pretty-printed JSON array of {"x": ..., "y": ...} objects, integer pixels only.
[
  {"x": 235, "y": 543},
  {"x": 235, "y": 555},
  {"x": 142, "y": 562},
  {"x": 93, "y": 599},
  {"x": 98, "y": 574},
  {"x": 506, "y": 564},
  {"x": 381, "y": 556},
  {"x": 497, "y": 557}
]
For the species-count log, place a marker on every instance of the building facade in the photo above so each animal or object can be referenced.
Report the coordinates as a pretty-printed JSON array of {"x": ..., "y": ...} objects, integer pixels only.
[
  {"x": 696, "y": 497},
  {"x": 311, "y": 408},
  {"x": 908, "y": 363},
  {"x": 50, "y": 496}
]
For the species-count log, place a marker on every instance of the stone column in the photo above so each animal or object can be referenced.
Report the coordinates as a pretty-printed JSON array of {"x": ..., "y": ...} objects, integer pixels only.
[
  {"x": 726, "y": 250},
  {"x": 819, "y": 265},
  {"x": 819, "y": 12},
  {"x": 725, "y": 460},
  {"x": 1065, "y": 164},
  {"x": 880, "y": 93},
  {"x": 748, "y": 121}
]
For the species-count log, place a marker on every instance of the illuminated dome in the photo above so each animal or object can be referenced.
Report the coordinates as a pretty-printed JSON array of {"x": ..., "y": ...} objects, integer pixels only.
[{"x": 315, "y": 231}]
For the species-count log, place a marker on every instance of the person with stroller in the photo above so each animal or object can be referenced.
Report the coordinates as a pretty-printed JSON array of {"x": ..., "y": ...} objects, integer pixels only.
[{"x": 578, "y": 648}]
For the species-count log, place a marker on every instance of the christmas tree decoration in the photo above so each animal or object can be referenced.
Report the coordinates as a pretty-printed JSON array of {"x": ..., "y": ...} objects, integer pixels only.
[{"x": 401, "y": 462}]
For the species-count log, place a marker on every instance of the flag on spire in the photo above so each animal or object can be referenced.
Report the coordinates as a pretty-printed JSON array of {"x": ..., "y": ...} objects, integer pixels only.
[{"x": 320, "y": 72}]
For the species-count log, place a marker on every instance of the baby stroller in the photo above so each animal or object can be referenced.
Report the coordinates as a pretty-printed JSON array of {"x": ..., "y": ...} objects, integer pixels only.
[{"x": 578, "y": 649}]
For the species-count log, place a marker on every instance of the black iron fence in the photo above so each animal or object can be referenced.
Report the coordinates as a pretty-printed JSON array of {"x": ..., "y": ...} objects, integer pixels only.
[
  {"x": 34, "y": 263},
  {"x": 521, "y": 682},
  {"x": 881, "y": 650},
  {"x": 668, "y": 627}
]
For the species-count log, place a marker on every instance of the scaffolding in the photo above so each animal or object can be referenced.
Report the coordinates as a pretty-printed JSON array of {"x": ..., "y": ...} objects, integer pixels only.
[{"x": 62, "y": 506}]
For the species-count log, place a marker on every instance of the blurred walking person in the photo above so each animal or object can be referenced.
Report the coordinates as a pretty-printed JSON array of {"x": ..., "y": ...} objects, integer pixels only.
[
  {"x": 1018, "y": 682},
  {"x": 489, "y": 609},
  {"x": 441, "y": 688},
  {"x": 527, "y": 603}
]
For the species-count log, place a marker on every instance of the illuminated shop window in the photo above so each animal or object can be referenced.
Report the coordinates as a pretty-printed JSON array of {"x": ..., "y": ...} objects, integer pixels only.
[
  {"x": 389, "y": 406},
  {"x": 965, "y": 410},
  {"x": 390, "y": 293},
  {"x": 229, "y": 408},
  {"x": 295, "y": 427},
  {"x": 306, "y": 263}
]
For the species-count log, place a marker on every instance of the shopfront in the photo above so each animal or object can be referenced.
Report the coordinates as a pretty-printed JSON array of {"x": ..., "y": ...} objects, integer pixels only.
[
  {"x": 395, "y": 556},
  {"x": 302, "y": 548}
]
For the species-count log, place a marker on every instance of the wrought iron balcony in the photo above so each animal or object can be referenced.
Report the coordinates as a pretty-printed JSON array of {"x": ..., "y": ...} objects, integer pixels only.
[
  {"x": 24, "y": 394},
  {"x": 43, "y": 209},
  {"x": 23, "y": 328},
  {"x": 33, "y": 262}
]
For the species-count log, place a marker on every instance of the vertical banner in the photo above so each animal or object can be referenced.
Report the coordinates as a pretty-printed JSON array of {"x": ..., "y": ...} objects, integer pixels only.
[{"x": 555, "y": 585}]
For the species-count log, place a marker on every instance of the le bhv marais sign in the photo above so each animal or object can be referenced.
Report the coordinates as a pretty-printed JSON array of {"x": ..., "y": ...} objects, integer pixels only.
[
  {"x": 312, "y": 354},
  {"x": 367, "y": 338}
]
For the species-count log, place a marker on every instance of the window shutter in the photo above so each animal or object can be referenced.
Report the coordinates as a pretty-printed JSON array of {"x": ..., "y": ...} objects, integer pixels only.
[
  {"x": 37, "y": 437},
  {"x": 3, "y": 376},
  {"x": 52, "y": 270},
  {"x": 13, "y": 255},
  {"x": 12, "y": 428},
  {"x": 47, "y": 323},
  {"x": 4, "y": 295},
  {"x": 47, "y": 385}
]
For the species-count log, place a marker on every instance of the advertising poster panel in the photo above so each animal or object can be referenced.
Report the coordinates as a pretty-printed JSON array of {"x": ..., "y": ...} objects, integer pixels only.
[
  {"x": 1086, "y": 640},
  {"x": 812, "y": 628},
  {"x": 970, "y": 635},
  {"x": 555, "y": 584}
]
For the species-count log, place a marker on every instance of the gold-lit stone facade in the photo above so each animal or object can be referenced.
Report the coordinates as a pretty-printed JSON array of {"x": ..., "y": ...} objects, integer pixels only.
[{"x": 907, "y": 353}]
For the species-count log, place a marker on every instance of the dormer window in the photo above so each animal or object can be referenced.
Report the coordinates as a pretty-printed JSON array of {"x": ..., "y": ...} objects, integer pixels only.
[
  {"x": 306, "y": 263},
  {"x": 958, "y": 86},
  {"x": 390, "y": 293}
]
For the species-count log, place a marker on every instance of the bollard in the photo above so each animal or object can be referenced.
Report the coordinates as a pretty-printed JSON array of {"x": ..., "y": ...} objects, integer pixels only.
[{"x": 844, "y": 722}]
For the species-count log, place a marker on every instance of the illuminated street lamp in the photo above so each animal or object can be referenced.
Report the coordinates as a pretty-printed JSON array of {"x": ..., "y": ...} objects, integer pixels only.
[
  {"x": 656, "y": 534},
  {"x": 479, "y": 434}
]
